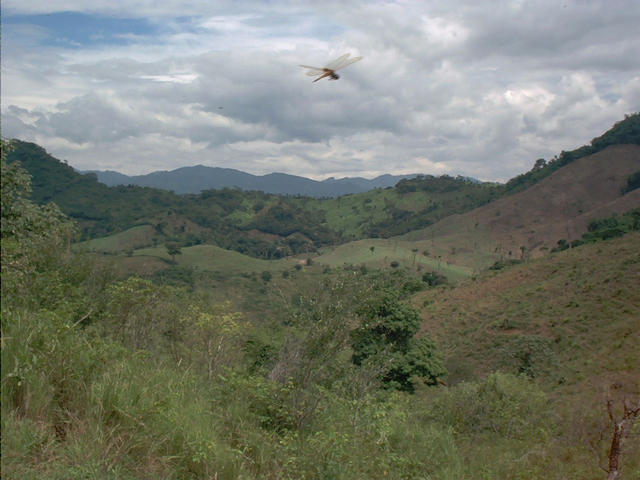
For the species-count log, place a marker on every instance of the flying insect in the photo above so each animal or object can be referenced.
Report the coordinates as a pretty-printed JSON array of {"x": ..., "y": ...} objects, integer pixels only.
[{"x": 331, "y": 68}]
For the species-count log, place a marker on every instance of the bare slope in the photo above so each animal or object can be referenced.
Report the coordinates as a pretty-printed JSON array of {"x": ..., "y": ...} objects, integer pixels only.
[
  {"x": 571, "y": 318},
  {"x": 559, "y": 207}
]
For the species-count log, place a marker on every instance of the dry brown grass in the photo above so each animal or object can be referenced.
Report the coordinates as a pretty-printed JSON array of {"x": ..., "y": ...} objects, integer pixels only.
[
  {"x": 559, "y": 207},
  {"x": 584, "y": 301}
]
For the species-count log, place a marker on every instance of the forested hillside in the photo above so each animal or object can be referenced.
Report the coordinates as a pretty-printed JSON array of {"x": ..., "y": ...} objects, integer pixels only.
[
  {"x": 255, "y": 223},
  {"x": 343, "y": 373},
  {"x": 270, "y": 226}
]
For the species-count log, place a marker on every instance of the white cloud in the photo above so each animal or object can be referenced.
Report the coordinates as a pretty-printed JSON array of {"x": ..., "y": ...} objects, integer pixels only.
[{"x": 461, "y": 89}]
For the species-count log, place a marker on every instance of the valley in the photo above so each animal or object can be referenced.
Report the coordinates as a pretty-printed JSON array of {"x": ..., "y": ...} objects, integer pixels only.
[{"x": 441, "y": 328}]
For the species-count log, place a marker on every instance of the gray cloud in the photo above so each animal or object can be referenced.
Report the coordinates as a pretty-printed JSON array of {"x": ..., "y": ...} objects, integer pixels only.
[{"x": 465, "y": 90}]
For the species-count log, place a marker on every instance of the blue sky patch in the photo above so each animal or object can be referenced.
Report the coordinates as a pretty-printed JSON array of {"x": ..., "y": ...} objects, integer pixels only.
[{"x": 75, "y": 30}]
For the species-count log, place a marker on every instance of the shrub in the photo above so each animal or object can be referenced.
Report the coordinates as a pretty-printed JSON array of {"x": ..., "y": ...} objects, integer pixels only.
[
  {"x": 505, "y": 404},
  {"x": 433, "y": 279}
]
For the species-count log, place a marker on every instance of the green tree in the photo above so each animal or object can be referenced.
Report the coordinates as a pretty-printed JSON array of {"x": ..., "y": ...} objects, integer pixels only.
[
  {"x": 386, "y": 336},
  {"x": 33, "y": 236},
  {"x": 173, "y": 249}
]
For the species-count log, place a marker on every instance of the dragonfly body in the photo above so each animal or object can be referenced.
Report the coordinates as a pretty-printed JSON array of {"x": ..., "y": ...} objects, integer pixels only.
[{"x": 330, "y": 69}]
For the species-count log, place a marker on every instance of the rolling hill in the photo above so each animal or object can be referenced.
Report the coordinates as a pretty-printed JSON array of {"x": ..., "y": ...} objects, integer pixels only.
[
  {"x": 199, "y": 177},
  {"x": 531, "y": 222},
  {"x": 253, "y": 222},
  {"x": 456, "y": 222},
  {"x": 251, "y": 366}
]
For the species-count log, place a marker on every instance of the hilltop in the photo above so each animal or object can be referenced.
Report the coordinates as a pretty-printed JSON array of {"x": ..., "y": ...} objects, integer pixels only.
[
  {"x": 457, "y": 222},
  {"x": 199, "y": 177}
]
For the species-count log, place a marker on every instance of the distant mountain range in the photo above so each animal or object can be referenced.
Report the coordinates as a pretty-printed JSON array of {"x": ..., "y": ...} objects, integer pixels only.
[{"x": 197, "y": 178}]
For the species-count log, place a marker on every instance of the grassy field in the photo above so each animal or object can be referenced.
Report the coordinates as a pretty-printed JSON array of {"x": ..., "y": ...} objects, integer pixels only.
[
  {"x": 212, "y": 258},
  {"x": 136, "y": 237},
  {"x": 455, "y": 257},
  {"x": 382, "y": 253}
]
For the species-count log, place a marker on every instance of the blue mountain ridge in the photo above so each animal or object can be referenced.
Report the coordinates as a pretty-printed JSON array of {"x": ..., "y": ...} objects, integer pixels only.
[{"x": 199, "y": 177}]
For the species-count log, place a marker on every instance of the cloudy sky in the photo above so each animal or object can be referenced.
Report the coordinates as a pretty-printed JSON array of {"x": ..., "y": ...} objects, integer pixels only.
[{"x": 464, "y": 88}]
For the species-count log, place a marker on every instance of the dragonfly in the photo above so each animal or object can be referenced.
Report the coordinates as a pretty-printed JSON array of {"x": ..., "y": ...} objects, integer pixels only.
[{"x": 331, "y": 68}]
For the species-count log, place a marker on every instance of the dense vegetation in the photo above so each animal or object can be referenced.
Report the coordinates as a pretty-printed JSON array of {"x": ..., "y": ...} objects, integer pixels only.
[
  {"x": 270, "y": 226},
  {"x": 107, "y": 376}
]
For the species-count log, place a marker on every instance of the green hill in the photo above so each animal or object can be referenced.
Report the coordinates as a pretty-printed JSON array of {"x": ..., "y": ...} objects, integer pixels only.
[
  {"x": 320, "y": 374},
  {"x": 270, "y": 226},
  {"x": 254, "y": 223}
]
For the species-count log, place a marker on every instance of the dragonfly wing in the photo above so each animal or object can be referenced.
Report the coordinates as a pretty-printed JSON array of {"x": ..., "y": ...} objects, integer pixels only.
[
  {"x": 313, "y": 71},
  {"x": 346, "y": 62},
  {"x": 337, "y": 62}
]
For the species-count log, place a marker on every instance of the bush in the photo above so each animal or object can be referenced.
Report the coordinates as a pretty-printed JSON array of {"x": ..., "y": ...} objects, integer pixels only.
[
  {"x": 504, "y": 404},
  {"x": 433, "y": 279},
  {"x": 529, "y": 355},
  {"x": 633, "y": 182}
]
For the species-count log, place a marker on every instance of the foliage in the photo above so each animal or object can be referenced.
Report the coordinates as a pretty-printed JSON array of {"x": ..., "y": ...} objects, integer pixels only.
[
  {"x": 500, "y": 264},
  {"x": 173, "y": 249},
  {"x": 503, "y": 404},
  {"x": 633, "y": 182},
  {"x": 605, "y": 229},
  {"x": 32, "y": 235},
  {"x": 266, "y": 276},
  {"x": 613, "y": 227},
  {"x": 529, "y": 355},
  {"x": 125, "y": 378},
  {"x": 434, "y": 279},
  {"x": 386, "y": 336}
]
